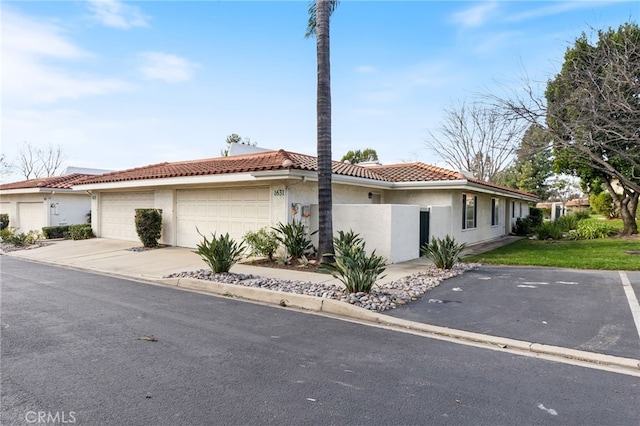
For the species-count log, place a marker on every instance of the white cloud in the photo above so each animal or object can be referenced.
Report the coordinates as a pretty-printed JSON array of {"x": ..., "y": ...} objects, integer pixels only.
[
  {"x": 475, "y": 16},
  {"x": 166, "y": 67},
  {"x": 27, "y": 80},
  {"x": 115, "y": 14},
  {"x": 365, "y": 69}
]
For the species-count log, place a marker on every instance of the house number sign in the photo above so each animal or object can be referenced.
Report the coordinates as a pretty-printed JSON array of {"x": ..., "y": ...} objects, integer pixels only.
[{"x": 278, "y": 192}]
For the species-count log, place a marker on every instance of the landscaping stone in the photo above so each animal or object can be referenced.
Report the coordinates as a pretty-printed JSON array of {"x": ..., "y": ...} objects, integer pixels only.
[{"x": 383, "y": 297}]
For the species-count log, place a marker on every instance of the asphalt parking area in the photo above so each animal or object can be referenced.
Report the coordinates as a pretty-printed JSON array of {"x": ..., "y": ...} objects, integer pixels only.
[{"x": 584, "y": 310}]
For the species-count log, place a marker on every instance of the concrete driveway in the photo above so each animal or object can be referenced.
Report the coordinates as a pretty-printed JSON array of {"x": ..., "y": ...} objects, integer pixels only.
[{"x": 584, "y": 310}]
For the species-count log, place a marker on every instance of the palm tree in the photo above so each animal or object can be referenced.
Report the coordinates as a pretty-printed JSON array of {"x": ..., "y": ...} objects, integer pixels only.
[{"x": 319, "y": 13}]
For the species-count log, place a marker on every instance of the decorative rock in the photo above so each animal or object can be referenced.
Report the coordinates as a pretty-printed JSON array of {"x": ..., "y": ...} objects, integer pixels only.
[{"x": 384, "y": 297}]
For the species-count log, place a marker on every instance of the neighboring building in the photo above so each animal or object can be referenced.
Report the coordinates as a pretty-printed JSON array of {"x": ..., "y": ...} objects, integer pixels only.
[
  {"x": 35, "y": 203},
  {"x": 395, "y": 208}
]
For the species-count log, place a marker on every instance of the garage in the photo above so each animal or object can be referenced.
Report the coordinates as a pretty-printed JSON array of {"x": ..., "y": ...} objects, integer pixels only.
[
  {"x": 31, "y": 216},
  {"x": 117, "y": 213},
  {"x": 222, "y": 210}
]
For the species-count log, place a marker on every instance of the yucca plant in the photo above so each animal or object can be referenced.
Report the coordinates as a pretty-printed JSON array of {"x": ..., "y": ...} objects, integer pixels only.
[
  {"x": 444, "y": 253},
  {"x": 357, "y": 271},
  {"x": 220, "y": 253},
  {"x": 294, "y": 239}
]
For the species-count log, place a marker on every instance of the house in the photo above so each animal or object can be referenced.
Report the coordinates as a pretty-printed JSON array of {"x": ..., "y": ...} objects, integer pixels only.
[
  {"x": 395, "y": 208},
  {"x": 35, "y": 203}
]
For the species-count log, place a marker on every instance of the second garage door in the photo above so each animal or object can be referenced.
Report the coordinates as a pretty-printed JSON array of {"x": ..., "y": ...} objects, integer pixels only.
[
  {"x": 31, "y": 216},
  {"x": 232, "y": 210},
  {"x": 117, "y": 213}
]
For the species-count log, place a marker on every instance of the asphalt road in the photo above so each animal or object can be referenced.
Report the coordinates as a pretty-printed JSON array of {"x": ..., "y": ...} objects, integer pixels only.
[
  {"x": 71, "y": 347},
  {"x": 584, "y": 310}
]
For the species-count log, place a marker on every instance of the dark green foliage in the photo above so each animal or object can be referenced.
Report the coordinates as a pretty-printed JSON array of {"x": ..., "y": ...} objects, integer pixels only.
[
  {"x": 357, "y": 271},
  {"x": 220, "y": 253},
  {"x": 149, "y": 226},
  {"x": 551, "y": 230},
  {"x": 444, "y": 253},
  {"x": 582, "y": 215},
  {"x": 51, "y": 232},
  {"x": 603, "y": 203},
  {"x": 593, "y": 229},
  {"x": 527, "y": 225},
  {"x": 263, "y": 242},
  {"x": 81, "y": 232},
  {"x": 4, "y": 221},
  {"x": 294, "y": 239}
]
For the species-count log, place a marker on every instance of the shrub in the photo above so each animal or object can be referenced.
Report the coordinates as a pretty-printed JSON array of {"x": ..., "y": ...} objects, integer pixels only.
[
  {"x": 4, "y": 221},
  {"x": 582, "y": 215},
  {"x": 22, "y": 239},
  {"x": 7, "y": 233},
  {"x": 536, "y": 216},
  {"x": 594, "y": 229},
  {"x": 444, "y": 253},
  {"x": 550, "y": 230},
  {"x": 220, "y": 253},
  {"x": 149, "y": 226},
  {"x": 294, "y": 239},
  {"x": 567, "y": 222},
  {"x": 357, "y": 271},
  {"x": 81, "y": 232},
  {"x": 263, "y": 242},
  {"x": 51, "y": 232},
  {"x": 524, "y": 226},
  {"x": 603, "y": 203}
]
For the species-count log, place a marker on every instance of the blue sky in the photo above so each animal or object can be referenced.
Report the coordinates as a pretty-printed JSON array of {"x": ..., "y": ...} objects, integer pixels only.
[{"x": 125, "y": 84}]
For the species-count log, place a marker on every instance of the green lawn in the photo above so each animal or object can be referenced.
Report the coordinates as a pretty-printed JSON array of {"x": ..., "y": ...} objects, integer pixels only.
[{"x": 607, "y": 253}]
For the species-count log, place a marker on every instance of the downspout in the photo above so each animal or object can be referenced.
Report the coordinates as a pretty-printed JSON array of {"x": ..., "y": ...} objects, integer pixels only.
[{"x": 303, "y": 180}]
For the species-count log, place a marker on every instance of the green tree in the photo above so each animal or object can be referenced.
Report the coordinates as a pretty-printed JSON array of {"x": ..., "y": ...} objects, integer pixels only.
[
  {"x": 593, "y": 110},
  {"x": 235, "y": 138},
  {"x": 533, "y": 164},
  {"x": 318, "y": 25},
  {"x": 358, "y": 156}
]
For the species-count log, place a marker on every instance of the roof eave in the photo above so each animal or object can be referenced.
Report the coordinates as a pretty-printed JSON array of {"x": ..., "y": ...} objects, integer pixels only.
[{"x": 18, "y": 191}]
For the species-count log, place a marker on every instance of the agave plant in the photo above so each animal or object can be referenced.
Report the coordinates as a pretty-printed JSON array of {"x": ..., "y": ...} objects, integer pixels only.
[
  {"x": 221, "y": 252},
  {"x": 443, "y": 252},
  {"x": 357, "y": 271}
]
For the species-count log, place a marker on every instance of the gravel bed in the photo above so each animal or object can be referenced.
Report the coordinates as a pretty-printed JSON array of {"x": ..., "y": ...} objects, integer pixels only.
[
  {"x": 6, "y": 247},
  {"x": 381, "y": 298}
]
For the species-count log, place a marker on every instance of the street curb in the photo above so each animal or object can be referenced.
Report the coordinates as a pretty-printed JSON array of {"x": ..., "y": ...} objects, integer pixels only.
[{"x": 343, "y": 309}]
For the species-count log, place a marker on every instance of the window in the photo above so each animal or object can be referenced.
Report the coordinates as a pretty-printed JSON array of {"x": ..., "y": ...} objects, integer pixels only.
[
  {"x": 469, "y": 211},
  {"x": 495, "y": 211},
  {"x": 513, "y": 209}
]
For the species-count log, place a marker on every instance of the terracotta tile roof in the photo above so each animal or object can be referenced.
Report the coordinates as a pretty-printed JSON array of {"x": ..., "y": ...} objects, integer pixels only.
[
  {"x": 416, "y": 172},
  {"x": 53, "y": 182},
  {"x": 283, "y": 160},
  {"x": 263, "y": 161}
]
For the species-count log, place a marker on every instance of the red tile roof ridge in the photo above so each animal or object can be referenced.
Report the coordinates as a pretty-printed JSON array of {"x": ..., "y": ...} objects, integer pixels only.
[{"x": 53, "y": 182}]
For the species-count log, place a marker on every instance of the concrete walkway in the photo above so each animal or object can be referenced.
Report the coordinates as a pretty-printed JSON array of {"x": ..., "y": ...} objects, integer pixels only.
[{"x": 115, "y": 258}]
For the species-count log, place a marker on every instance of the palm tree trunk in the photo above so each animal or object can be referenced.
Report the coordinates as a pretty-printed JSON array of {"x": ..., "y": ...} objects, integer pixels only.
[{"x": 325, "y": 220}]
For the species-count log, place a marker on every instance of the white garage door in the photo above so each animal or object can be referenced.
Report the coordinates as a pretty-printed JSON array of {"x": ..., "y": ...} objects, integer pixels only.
[
  {"x": 117, "y": 213},
  {"x": 31, "y": 216},
  {"x": 232, "y": 210}
]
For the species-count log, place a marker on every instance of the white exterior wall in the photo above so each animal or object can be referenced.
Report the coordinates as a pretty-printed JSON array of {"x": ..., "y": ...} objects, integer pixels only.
[
  {"x": 392, "y": 230},
  {"x": 68, "y": 208}
]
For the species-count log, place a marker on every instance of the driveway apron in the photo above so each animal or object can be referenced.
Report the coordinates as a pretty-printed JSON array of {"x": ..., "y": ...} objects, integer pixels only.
[{"x": 584, "y": 310}]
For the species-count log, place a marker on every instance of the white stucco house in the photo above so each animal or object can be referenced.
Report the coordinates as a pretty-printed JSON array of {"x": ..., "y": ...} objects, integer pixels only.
[
  {"x": 35, "y": 203},
  {"x": 395, "y": 208}
]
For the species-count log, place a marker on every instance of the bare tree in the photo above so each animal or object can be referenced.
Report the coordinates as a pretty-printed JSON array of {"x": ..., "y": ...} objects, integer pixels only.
[
  {"x": 37, "y": 162},
  {"x": 592, "y": 110},
  {"x": 5, "y": 167},
  {"x": 477, "y": 138}
]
